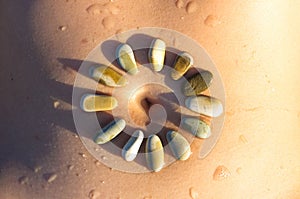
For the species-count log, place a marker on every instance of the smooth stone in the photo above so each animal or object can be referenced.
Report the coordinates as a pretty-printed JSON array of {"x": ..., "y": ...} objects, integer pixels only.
[
  {"x": 179, "y": 146},
  {"x": 197, "y": 83},
  {"x": 92, "y": 103},
  {"x": 109, "y": 77},
  {"x": 154, "y": 153},
  {"x": 131, "y": 148},
  {"x": 110, "y": 131},
  {"x": 181, "y": 65},
  {"x": 157, "y": 53},
  {"x": 205, "y": 105},
  {"x": 125, "y": 57},
  {"x": 197, "y": 127}
]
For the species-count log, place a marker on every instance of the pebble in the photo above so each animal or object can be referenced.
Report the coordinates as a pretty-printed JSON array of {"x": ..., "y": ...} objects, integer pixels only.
[
  {"x": 205, "y": 105},
  {"x": 179, "y": 146},
  {"x": 179, "y": 3},
  {"x": 192, "y": 7},
  {"x": 108, "y": 76},
  {"x": 83, "y": 155},
  {"x": 51, "y": 177},
  {"x": 197, "y": 127},
  {"x": 56, "y": 104},
  {"x": 221, "y": 173},
  {"x": 23, "y": 180},
  {"x": 110, "y": 131},
  {"x": 211, "y": 21},
  {"x": 197, "y": 83},
  {"x": 62, "y": 28},
  {"x": 157, "y": 53},
  {"x": 182, "y": 63},
  {"x": 92, "y": 103},
  {"x": 126, "y": 59},
  {"x": 93, "y": 194},
  {"x": 131, "y": 148},
  {"x": 154, "y": 153}
]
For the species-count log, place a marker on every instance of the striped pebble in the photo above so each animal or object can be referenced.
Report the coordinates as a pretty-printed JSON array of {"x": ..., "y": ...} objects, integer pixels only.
[
  {"x": 179, "y": 146},
  {"x": 197, "y": 83},
  {"x": 154, "y": 153},
  {"x": 205, "y": 105},
  {"x": 126, "y": 59},
  {"x": 110, "y": 131},
  {"x": 157, "y": 53},
  {"x": 197, "y": 127},
  {"x": 182, "y": 63},
  {"x": 92, "y": 103},
  {"x": 131, "y": 148},
  {"x": 109, "y": 77}
]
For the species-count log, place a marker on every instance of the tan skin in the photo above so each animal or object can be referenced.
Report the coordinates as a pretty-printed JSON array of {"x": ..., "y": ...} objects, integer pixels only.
[{"x": 255, "y": 45}]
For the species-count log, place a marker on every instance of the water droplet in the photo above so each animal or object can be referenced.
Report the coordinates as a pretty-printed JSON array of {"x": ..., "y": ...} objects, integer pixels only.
[
  {"x": 94, "y": 194},
  {"x": 70, "y": 167},
  {"x": 37, "y": 169},
  {"x": 221, "y": 173},
  {"x": 23, "y": 180},
  {"x": 94, "y": 9},
  {"x": 108, "y": 22},
  {"x": 179, "y": 3},
  {"x": 193, "y": 193},
  {"x": 211, "y": 21},
  {"x": 56, "y": 104},
  {"x": 243, "y": 139},
  {"x": 75, "y": 135},
  {"x": 239, "y": 170},
  {"x": 62, "y": 28},
  {"x": 191, "y": 7},
  {"x": 50, "y": 177}
]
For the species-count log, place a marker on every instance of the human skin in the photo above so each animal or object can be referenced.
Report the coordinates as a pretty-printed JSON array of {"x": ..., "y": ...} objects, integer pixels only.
[{"x": 255, "y": 48}]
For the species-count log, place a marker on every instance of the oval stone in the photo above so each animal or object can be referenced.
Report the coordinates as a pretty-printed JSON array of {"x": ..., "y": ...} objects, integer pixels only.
[
  {"x": 131, "y": 148},
  {"x": 126, "y": 59},
  {"x": 197, "y": 83},
  {"x": 179, "y": 146},
  {"x": 197, "y": 127},
  {"x": 205, "y": 105},
  {"x": 107, "y": 76},
  {"x": 181, "y": 65},
  {"x": 154, "y": 153},
  {"x": 92, "y": 103},
  {"x": 157, "y": 53},
  {"x": 110, "y": 131}
]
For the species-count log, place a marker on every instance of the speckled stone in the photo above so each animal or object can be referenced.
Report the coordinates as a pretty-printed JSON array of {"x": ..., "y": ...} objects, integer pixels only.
[
  {"x": 179, "y": 146},
  {"x": 110, "y": 131},
  {"x": 107, "y": 76},
  {"x": 197, "y": 83},
  {"x": 205, "y": 105},
  {"x": 197, "y": 127}
]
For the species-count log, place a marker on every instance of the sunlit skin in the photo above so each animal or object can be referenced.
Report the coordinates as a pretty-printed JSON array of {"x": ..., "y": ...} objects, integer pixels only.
[{"x": 255, "y": 46}]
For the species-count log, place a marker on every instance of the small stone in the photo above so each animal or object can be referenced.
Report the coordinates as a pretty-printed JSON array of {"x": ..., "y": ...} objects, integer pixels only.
[
  {"x": 62, "y": 28},
  {"x": 157, "y": 53},
  {"x": 192, "y": 7},
  {"x": 56, "y": 104},
  {"x": 92, "y": 103},
  {"x": 221, "y": 173},
  {"x": 179, "y": 146},
  {"x": 205, "y": 105},
  {"x": 125, "y": 57},
  {"x": 197, "y": 127},
  {"x": 23, "y": 180},
  {"x": 83, "y": 155},
  {"x": 110, "y": 131},
  {"x": 154, "y": 153},
  {"x": 50, "y": 177},
  {"x": 131, "y": 148},
  {"x": 179, "y": 3},
  {"x": 197, "y": 83},
  {"x": 107, "y": 76},
  {"x": 182, "y": 63},
  {"x": 93, "y": 194}
]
